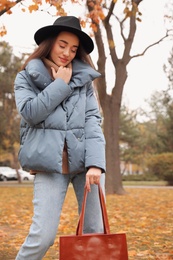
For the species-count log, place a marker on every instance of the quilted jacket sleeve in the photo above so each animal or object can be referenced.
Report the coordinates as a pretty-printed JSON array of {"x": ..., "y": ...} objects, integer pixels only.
[
  {"x": 95, "y": 142},
  {"x": 36, "y": 107}
]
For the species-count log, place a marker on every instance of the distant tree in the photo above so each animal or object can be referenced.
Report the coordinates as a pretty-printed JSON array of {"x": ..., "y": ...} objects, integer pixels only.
[
  {"x": 156, "y": 131},
  {"x": 136, "y": 138},
  {"x": 129, "y": 134},
  {"x": 161, "y": 165},
  {"x": 161, "y": 103},
  {"x": 9, "y": 130},
  {"x": 154, "y": 136}
]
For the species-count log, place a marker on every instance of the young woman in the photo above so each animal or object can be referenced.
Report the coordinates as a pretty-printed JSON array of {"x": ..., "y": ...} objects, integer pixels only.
[{"x": 61, "y": 136}]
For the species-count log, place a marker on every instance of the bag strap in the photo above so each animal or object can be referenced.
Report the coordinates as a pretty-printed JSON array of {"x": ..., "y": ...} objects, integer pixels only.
[{"x": 79, "y": 230}]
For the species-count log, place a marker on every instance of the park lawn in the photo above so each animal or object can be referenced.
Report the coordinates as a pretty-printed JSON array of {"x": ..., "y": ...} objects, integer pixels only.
[
  {"x": 144, "y": 214},
  {"x": 146, "y": 183}
]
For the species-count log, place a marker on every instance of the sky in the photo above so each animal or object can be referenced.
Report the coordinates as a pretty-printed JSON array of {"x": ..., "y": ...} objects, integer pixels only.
[{"x": 145, "y": 74}]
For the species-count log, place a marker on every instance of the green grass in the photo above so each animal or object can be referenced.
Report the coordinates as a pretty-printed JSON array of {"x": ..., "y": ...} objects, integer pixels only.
[{"x": 145, "y": 183}]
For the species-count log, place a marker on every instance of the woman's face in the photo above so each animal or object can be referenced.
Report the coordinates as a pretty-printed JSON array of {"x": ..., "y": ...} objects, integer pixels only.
[{"x": 64, "y": 49}]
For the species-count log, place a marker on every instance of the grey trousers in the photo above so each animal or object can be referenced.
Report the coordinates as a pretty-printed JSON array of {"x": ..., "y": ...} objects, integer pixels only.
[{"x": 49, "y": 195}]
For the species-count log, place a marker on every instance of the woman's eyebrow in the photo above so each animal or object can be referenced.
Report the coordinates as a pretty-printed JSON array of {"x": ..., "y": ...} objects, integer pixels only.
[{"x": 76, "y": 46}]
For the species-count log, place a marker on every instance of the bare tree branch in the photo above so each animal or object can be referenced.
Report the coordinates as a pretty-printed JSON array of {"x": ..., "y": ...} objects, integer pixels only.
[
  {"x": 121, "y": 28},
  {"x": 132, "y": 31},
  {"x": 111, "y": 8},
  {"x": 137, "y": 2},
  {"x": 151, "y": 45},
  {"x": 109, "y": 33},
  {"x": 101, "y": 52}
]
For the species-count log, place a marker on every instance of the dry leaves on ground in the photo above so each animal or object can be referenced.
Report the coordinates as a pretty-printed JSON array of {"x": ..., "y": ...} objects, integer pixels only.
[{"x": 144, "y": 214}]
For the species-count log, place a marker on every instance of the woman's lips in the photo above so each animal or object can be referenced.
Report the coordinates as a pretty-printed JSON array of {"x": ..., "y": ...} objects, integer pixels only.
[{"x": 63, "y": 60}]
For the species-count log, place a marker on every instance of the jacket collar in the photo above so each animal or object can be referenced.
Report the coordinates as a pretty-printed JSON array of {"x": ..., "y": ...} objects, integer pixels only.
[{"x": 82, "y": 73}]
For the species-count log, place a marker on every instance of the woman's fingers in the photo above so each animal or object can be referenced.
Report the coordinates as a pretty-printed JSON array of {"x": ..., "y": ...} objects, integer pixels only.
[
  {"x": 87, "y": 183},
  {"x": 92, "y": 177}
]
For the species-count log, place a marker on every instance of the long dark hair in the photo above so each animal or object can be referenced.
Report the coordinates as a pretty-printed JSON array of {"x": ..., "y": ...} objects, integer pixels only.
[{"x": 44, "y": 48}]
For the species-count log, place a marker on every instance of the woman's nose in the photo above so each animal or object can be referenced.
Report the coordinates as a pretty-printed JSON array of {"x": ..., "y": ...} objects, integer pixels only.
[{"x": 66, "y": 52}]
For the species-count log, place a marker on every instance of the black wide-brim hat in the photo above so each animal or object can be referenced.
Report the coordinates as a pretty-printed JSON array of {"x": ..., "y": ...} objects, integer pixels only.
[{"x": 69, "y": 24}]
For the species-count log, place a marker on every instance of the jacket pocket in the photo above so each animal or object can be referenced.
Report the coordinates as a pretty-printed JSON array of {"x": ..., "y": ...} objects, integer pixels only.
[{"x": 42, "y": 150}]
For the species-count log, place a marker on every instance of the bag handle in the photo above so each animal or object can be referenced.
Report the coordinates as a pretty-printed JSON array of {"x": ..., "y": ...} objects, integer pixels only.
[{"x": 79, "y": 230}]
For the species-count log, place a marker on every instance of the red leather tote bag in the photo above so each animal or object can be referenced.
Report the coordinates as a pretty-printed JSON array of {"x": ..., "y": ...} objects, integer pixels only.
[{"x": 104, "y": 246}]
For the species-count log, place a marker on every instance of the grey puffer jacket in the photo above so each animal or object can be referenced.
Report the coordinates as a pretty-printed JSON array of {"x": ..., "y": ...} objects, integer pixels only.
[{"x": 52, "y": 113}]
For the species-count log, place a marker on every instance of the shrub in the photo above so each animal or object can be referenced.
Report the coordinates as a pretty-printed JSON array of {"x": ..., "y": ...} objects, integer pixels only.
[
  {"x": 161, "y": 165},
  {"x": 140, "y": 177}
]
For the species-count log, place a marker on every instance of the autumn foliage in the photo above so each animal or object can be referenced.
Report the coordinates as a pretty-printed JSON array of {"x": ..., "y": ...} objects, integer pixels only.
[
  {"x": 6, "y": 6},
  {"x": 161, "y": 165},
  {"x": 144, "y": 214}
]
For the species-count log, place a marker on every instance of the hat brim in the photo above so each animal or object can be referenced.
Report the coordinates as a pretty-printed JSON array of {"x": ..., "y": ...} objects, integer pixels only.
[{"x": 53, "y": 30}]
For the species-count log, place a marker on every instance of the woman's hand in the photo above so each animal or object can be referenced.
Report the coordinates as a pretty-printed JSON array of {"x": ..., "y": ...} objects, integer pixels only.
[
  {"x": 63, "y": 73},
  {"x": 92, "y": 177}
]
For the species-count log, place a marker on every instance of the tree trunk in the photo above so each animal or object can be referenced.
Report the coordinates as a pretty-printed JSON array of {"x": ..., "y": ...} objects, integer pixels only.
[
  {"x": 111, "y": 104},
  {"x": 111, "y": 132},
  {"x": 15, "y": 165},
  {"x": 111, "y": 112}
]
